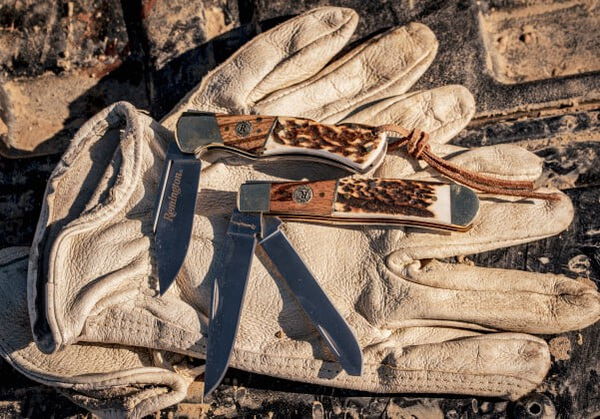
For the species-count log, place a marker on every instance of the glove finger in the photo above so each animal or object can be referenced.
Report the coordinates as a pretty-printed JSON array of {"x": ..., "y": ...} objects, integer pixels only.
[
  {"x": 443, "y": 360},
  {"x": 442, "y": 112},
  {"x": 102, "y": 379},
  {"x": 500, "y": 299},
  {"x": 504, "y": 161},
  {"x": 387, "y": 65},
  {"x": 283, "y": 56},
  {"x": 505, "y": 365},
  {"x": 500, "y": 223}
]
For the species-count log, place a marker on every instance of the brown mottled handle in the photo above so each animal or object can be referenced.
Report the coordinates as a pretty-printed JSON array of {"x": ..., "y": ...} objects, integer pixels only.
[
  {"x": 357, "y": 148},
  {"x": 365, "y": 201}
]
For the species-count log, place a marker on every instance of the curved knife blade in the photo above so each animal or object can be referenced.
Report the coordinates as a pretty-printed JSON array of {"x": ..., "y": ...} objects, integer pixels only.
[
  {"x": 174, "y": 213},
  {"x": 328, "y": 321},
  {"x": 228, "y": 295}
]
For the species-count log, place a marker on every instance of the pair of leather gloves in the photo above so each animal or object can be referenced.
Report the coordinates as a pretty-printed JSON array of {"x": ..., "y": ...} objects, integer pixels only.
[{"x": 80, "y": 309}]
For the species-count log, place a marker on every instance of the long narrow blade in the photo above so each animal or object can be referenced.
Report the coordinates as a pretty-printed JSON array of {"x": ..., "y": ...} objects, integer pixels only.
[
  {"x": 174, "y": 213},
  {"x": 228, "y": 296},
  {"x": 327, "y": 320}
]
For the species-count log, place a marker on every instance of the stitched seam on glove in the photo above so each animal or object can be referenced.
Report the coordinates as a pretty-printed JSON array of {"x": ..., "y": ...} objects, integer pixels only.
[
  {"x": 248, "y": 357},
  {"x": 496, "y": 243}
]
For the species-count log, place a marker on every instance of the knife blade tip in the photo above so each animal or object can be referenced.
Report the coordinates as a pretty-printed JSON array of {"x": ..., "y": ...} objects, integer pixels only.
[{"x": 212, "y": 380}]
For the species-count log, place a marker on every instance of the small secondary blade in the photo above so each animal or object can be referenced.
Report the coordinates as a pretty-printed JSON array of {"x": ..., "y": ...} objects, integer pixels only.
[{"x": 328, "y": 321}]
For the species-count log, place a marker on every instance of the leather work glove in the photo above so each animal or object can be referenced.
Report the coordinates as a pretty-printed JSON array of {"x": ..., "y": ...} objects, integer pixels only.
[
  {"x": 425, "y": 326},
  {"x": 107, "y": 380}
]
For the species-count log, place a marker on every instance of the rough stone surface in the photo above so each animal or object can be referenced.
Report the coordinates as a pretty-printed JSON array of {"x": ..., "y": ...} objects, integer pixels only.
[
  {"x": 179, "y": 26},
  {"x": 60, "y": 62},
  {"x": 56, "y": 36},
  {"x": 175, "y": 42}
]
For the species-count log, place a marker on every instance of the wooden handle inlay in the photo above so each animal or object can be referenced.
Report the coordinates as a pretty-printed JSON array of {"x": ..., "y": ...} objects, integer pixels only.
[
  {"x": 385, "y": 196},
  {"x": 352, "y": 141},
  {"x": 245, "y": 132},
  {"x": 307, "y": 198}
]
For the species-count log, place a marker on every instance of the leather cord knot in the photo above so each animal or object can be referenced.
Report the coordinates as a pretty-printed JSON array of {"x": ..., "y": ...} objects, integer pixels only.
[{"x": 416, "y": 144}]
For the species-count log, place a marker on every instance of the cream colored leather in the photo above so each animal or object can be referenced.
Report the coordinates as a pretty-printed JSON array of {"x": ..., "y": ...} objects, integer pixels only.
[
  {"x": 425, "y": 326},
  {"x": 108, "y": 380}
]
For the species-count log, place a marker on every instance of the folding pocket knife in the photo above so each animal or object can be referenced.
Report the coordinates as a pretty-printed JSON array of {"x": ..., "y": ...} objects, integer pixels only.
[
  {"x": 262, "y": 206},
  {"x": 355, "y": 147}
]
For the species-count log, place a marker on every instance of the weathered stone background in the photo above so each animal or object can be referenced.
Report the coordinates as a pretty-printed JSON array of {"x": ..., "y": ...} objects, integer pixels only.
[{"x": 533, "y": 66}]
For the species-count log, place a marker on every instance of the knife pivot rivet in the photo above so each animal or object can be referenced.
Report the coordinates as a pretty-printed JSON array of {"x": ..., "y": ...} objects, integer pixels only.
[
  {"x": 243, "y": 128},
  {"x": 302, "y": 194}
]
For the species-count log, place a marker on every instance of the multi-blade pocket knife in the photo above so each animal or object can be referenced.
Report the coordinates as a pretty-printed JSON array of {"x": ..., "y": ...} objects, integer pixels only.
[{"x": 261, "y": 206}]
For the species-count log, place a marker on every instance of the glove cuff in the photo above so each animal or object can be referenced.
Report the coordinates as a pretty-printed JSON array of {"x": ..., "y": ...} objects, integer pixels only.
[
  {"x": 107, "y": 380},
  {"x": 93, "y": 181}
]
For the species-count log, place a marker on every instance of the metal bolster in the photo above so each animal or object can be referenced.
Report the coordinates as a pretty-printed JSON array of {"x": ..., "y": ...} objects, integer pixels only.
[
  {"x": 464, "y": 205},
  {"x": 254, "y": 197},
  {"x": 197, "y": 129}
]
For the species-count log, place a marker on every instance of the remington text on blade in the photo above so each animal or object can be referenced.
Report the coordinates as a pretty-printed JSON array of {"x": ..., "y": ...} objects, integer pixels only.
[{"x": 173, "y": 197}]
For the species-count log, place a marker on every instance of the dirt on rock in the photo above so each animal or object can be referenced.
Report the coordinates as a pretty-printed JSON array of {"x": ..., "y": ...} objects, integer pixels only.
[
  {"x": 560, "y": 348},
  {"x": 538, "y": 40}
]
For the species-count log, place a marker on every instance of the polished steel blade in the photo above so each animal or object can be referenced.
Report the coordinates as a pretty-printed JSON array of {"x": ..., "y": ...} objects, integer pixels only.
[
  {"x": 174, "y": 213},
  {"x": 328, "y": 321},
  {"x": 228, "y": 296}
]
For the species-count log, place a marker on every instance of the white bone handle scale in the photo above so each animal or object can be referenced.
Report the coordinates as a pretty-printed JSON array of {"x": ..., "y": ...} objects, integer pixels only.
[
  {"x": 357, "y": 148},
  {"x": 432, "y": 205}
]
